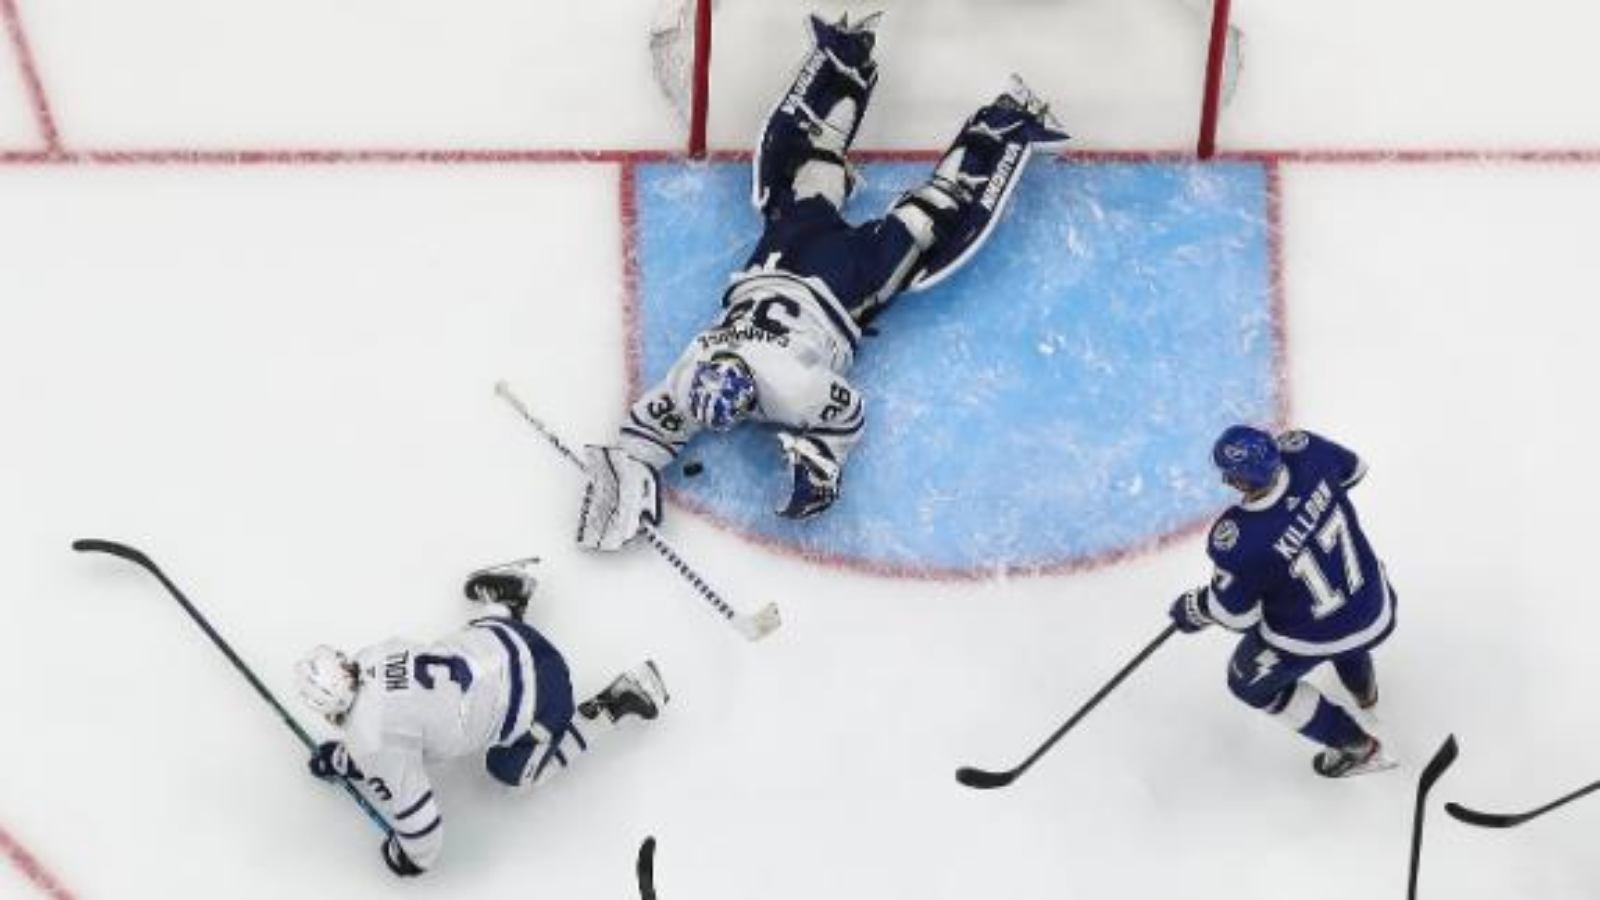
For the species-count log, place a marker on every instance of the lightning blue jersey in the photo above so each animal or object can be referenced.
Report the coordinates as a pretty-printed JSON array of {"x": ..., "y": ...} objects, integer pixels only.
[{"x": 1294, "y": 564}]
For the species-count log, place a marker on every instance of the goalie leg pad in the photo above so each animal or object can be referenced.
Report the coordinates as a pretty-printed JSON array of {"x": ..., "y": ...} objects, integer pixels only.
[
  {"x": 622, "y": 497},
  {"x": 952, "y": 214},
  {"x": 802, "y": 150}
]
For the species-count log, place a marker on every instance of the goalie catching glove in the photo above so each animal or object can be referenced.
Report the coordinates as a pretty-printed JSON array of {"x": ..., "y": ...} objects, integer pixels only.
[
  {"x": 816, "y": 476},
  {"x": 623, "y": 496}
]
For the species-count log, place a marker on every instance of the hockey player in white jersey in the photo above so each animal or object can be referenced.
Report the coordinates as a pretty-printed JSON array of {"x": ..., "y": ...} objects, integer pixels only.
[
  {"x": 792, "y": 318},
  {"x": 495, "y": 687}
]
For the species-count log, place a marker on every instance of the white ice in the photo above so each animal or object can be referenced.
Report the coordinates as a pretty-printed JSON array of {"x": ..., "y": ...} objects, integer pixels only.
[{"x": 277, "y": 381}]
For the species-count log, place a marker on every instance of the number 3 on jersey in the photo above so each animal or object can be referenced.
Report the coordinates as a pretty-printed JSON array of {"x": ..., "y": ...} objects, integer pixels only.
[
  {"x": 1334, "y": 535},
  {"x": 455, "y": 668}
]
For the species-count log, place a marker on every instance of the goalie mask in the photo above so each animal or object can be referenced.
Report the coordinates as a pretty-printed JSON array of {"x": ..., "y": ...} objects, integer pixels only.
[
  {"x": 723, "y": 391},
  {"x": 1248, "y": 458},
  {"x": 326, "y": 679}
]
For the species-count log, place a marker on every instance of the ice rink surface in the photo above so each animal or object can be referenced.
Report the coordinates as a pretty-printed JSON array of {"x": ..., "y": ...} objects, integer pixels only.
[{"x": 276, "y": 379}]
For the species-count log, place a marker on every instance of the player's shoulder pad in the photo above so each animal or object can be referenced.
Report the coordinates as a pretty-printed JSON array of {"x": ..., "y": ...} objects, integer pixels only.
[{"x": 1294, "y": 441}]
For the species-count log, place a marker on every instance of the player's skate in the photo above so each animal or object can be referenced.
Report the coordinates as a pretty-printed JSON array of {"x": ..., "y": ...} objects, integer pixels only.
[
  {"x": 1368, "y": 756},
  {"x": 639, "y": 692},
  {"x": 802, "y": 150},
  {"x": 510, "y": 584},
  {"x": 952, "y": 214}
]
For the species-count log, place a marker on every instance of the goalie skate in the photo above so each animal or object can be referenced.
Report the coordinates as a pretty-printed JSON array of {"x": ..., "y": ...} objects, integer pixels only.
[{"x": 952, "y": 215}]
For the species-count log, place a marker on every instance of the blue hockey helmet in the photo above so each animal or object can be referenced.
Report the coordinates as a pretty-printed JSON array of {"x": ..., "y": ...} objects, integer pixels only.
[
  {"x": 1248, "y": 458},
  {"x": 723, "y": 391}
]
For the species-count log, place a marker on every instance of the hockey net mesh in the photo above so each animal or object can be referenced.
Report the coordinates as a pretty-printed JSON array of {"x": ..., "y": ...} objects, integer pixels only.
[
  {"x": 1155, "y": 51},
  {"x": 672, "y": 54}
]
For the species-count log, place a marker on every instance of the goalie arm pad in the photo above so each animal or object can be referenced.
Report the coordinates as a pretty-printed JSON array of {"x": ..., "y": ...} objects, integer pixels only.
[
  {"x": 658, "y": 423},
  {"x": 835, "y": 418},
  {"x": 622, "y": 497}
]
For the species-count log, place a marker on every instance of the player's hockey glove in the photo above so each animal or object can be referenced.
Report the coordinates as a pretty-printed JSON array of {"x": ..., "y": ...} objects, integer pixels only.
[
  {"x": 623, "y": 497},
  {"x": 394, "y": 856},
  {"x": 332, "y": 760},
  {"x": 1187, "y": 612},
  {"x": 816, "y": 476}
]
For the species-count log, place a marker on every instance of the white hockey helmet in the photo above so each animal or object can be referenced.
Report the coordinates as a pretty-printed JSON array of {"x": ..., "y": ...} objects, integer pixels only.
[{"x": 326, "y": 679}]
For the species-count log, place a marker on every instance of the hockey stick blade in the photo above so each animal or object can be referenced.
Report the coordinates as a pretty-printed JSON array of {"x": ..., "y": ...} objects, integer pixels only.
[
  {"x": 646, "y": 869},
  {"x": 97, "y": 545},
  {"x": 1486, "y": 820},
  {"x": 1507, "y": 820},
  {"x": 1442, "y": 760},
  {"x": 764, "y": 622},
  {"x": 983, "y": 781}
]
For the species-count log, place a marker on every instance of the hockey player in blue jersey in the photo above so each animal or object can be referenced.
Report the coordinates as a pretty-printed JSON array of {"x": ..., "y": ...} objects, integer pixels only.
[
  {"x": 792, "y": 318},
  {"x": 1294, "y": 573},
  {"x": 496, "y": 687}
]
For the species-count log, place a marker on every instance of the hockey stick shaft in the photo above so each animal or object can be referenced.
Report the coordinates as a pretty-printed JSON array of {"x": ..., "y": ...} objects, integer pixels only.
[
  {"x": 981, "y": 779},
  {"x": 1507, "y": 820},
  {"x": 138, "y": 558},
  {"x": 752, "y": 627},
  {"x": 1442, "y": 760}
]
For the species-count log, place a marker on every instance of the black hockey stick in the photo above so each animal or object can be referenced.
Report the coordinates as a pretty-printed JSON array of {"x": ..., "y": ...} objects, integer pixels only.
[
  {"x": 983, "y": 780},
  {"x": 1430, "y": 773},
  {"x": 95, "y": 545},
  {"x": 646, "y": 868},
  {"x": 1507, "y": 820}
]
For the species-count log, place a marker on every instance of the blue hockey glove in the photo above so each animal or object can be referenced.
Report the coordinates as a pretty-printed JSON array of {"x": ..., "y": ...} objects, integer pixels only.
[
  {"x": 332, "y": 760},
  {"x": 1187, "y": 614},
  {"x": 816, "y": 476},
  {"x": 394, "y": 856}
]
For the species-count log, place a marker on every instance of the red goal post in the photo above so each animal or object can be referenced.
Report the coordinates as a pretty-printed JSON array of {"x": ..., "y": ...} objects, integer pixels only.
[{"x": 682, "y": 33}]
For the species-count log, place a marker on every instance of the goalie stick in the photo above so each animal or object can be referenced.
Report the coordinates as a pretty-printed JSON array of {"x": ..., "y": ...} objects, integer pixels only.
[
  {"x": 1508, "y": 820},
  {"x": 984, "y": 780},
  {"x": 1442, "y": 759},
  {"x": 123, "y": 551},
  {"x": 753, "y": 626}
]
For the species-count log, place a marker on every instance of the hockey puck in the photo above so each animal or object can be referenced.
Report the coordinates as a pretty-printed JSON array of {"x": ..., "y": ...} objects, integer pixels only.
[{"x": 692, "y": 469}]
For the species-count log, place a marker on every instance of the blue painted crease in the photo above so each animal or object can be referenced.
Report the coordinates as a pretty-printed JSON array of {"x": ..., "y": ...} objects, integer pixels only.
[{"x": 1051, "y": 403}]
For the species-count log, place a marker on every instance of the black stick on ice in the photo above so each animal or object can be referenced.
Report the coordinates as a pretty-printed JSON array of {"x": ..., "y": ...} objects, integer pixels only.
[
  {"x": 1441, "y": 760},
  {"x": 646, "y": 869},
  {"x": 984, "y": 780},
  {"x": 95, "y": 545},
  {"x": 1507, "y": 820}
]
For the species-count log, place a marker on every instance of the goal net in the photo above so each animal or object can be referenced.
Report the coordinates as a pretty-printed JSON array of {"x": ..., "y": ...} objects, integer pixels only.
[{"x": 1121, "y": 74}]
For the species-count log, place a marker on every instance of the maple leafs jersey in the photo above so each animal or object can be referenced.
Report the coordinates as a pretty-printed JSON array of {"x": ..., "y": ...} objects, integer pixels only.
[
  {"x": 421, "y": 702},
  {"x": 1294, "y": 563},
  {"x": 797, "y": 339}
]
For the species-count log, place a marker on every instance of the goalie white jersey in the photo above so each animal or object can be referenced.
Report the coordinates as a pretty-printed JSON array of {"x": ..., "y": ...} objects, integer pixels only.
[
  {"x": 421, "y": 702},
  {"x": 797, "y": 339}
]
